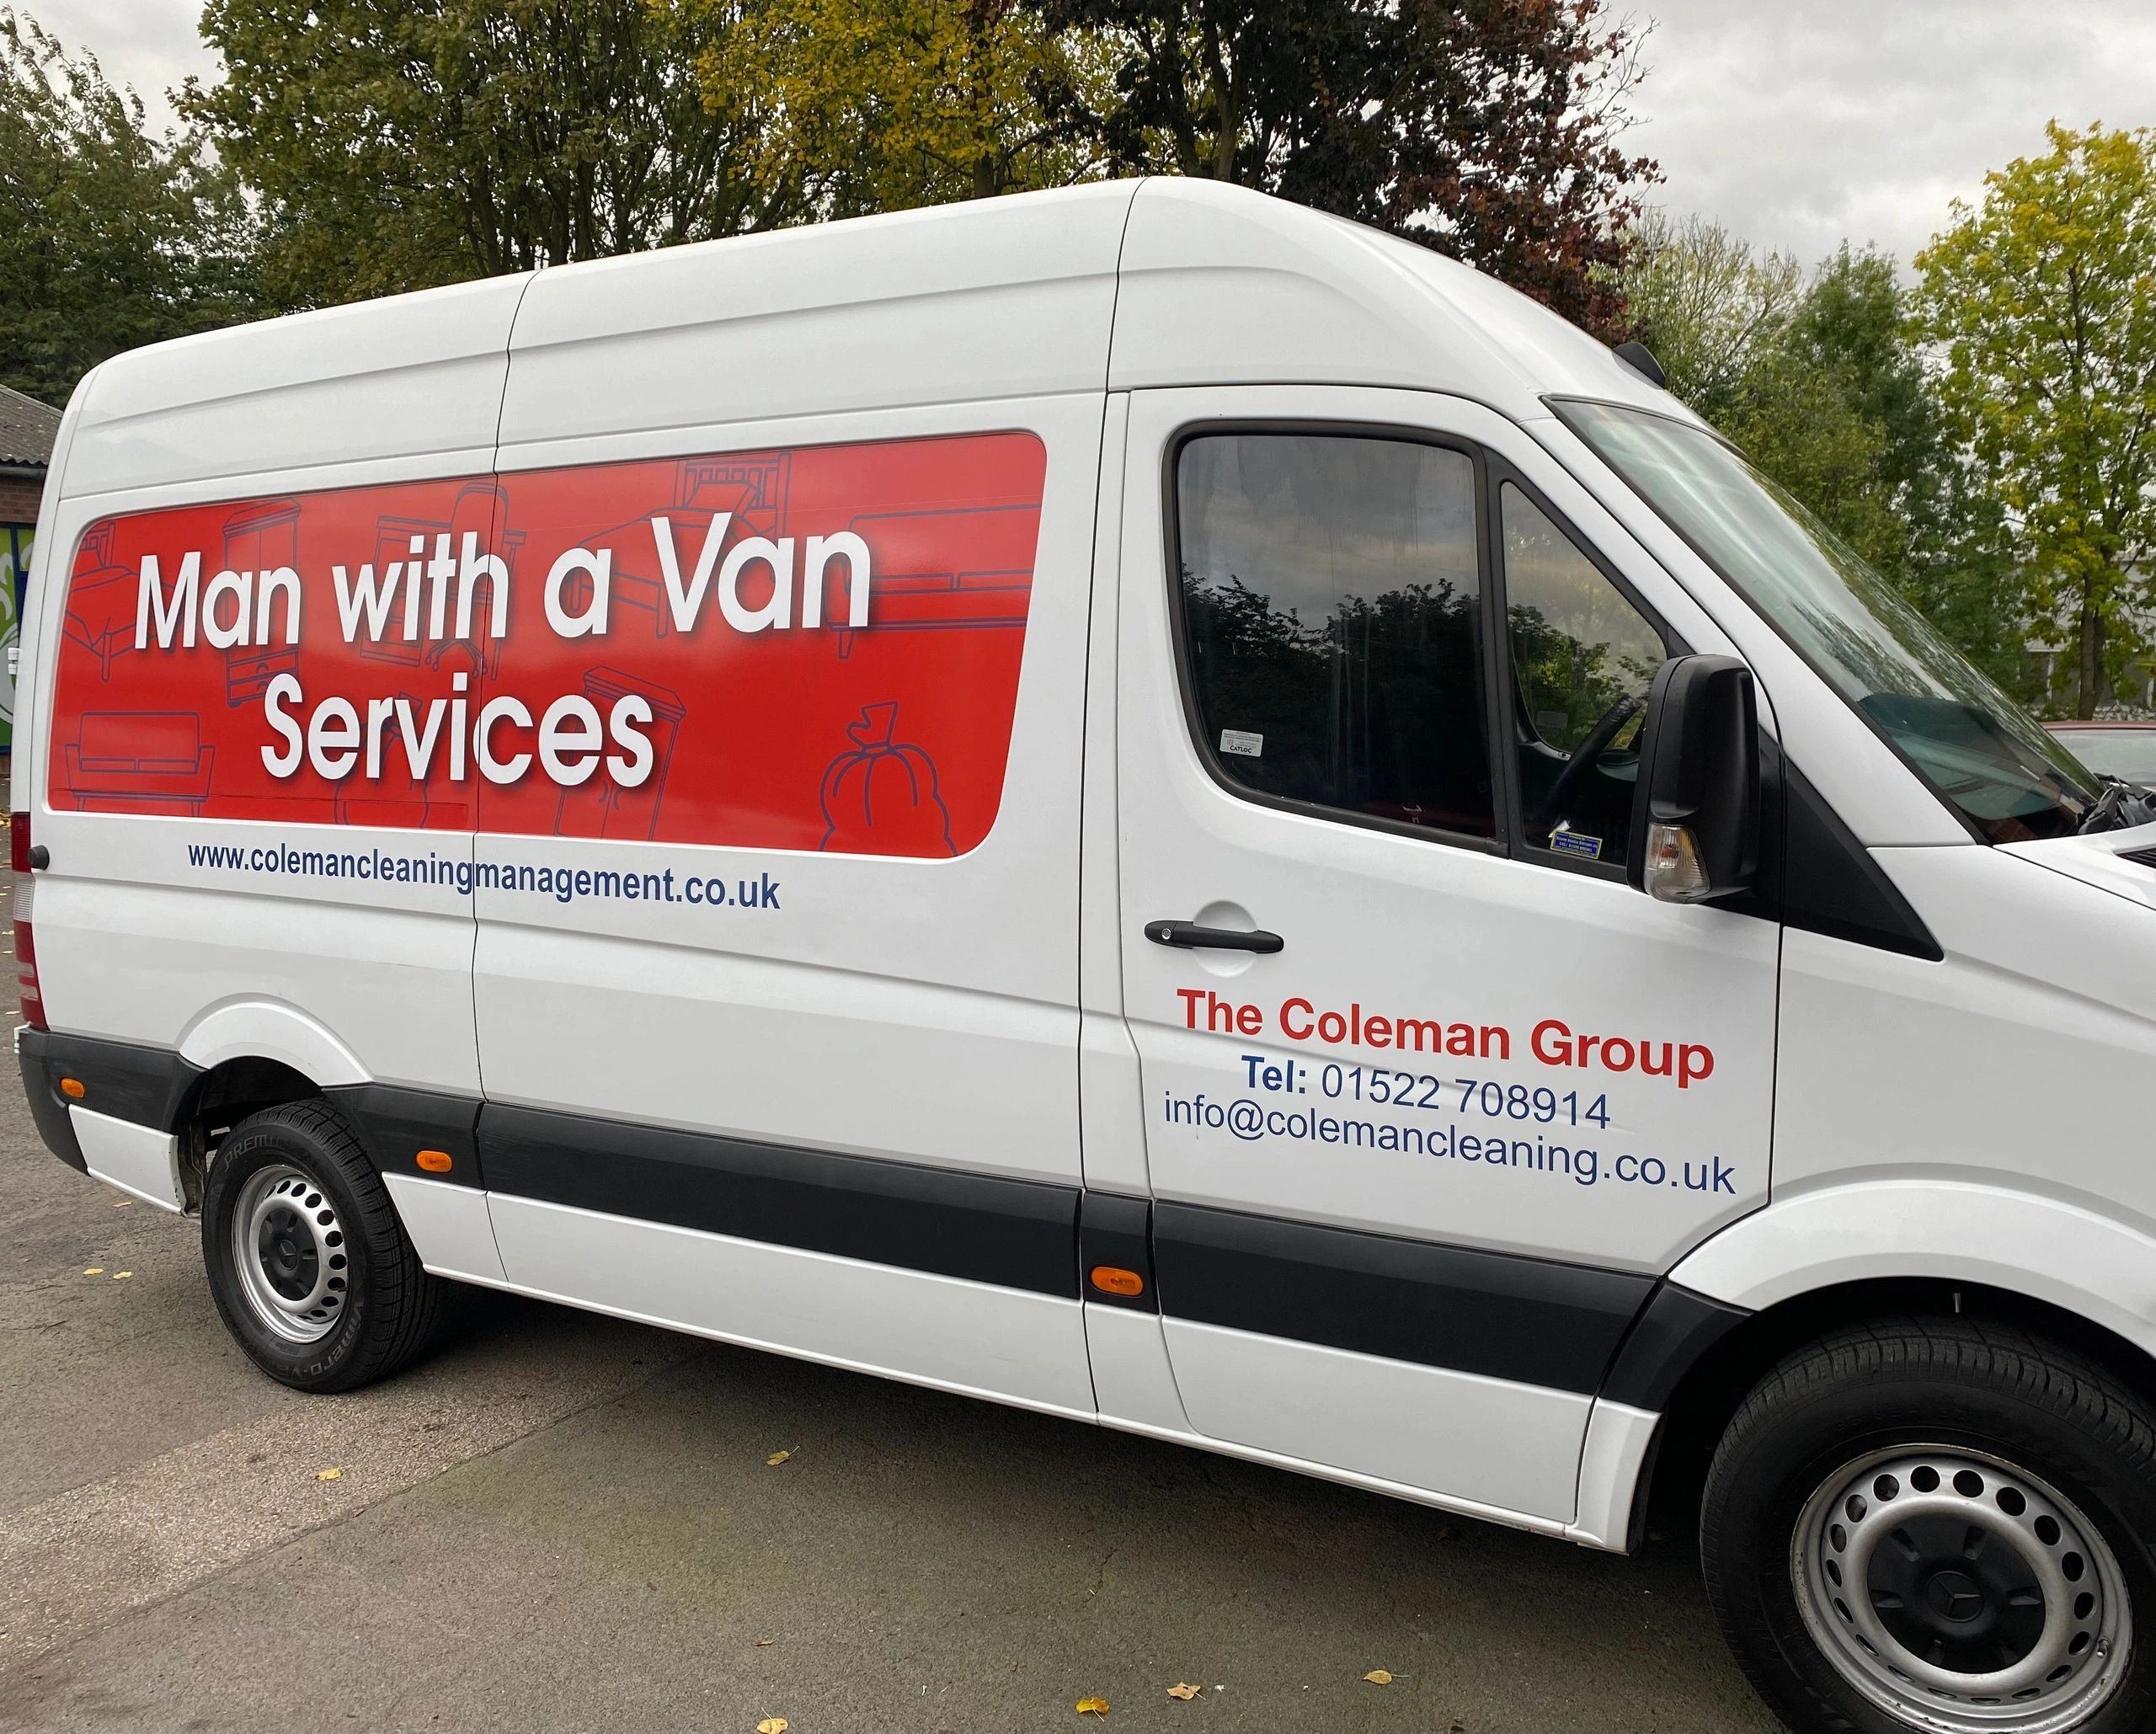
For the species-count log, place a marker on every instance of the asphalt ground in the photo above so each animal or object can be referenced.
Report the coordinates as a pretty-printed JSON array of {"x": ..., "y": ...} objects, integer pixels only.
[{"x": 563, "y": 1522}]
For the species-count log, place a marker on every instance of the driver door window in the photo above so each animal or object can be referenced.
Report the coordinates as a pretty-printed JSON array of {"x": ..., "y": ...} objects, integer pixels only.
[{"x": 1583, "y": 659}]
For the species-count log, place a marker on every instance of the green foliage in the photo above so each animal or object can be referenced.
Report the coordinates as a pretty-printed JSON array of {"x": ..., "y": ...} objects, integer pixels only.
[
  {"x": 1709, "y": 305},
  {"x": 1823, "y": 385},
  {"x": 2044, "y": 300},
  {"x": 1487, "y": 129},
  {"x": 884, "y": 104},
  {"x": 397, "y": 144},
  {"x": 110, "y": 236}
]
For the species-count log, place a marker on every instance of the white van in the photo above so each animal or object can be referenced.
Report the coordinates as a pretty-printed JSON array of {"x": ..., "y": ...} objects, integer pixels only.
[{"x": 1144, "y": 803}]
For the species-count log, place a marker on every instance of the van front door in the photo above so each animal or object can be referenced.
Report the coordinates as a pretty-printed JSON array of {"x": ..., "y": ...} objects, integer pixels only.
[{"x": 1431, "y": 1094}]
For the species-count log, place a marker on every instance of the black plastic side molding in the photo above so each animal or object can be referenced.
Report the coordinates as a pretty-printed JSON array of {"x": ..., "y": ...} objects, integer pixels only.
[
  {"x": 396, "y": 1125},
  {"x": 1532, "y": 1320},
  {"x": 1675, "y": 1329},
  {"x": 126, "y": 1081},
  {"x": 985, "y": 1228},
  {"x": 1116, "y": 1232}
]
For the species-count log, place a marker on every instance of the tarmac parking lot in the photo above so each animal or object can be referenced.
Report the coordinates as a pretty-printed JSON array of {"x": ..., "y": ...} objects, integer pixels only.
[{"x": 563, "y": 1522}]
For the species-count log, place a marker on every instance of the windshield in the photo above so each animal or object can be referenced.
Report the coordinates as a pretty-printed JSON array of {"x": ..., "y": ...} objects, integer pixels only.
[
  {"x": 1985, "y": 755},
  {"x": 2127, "y": 753}
]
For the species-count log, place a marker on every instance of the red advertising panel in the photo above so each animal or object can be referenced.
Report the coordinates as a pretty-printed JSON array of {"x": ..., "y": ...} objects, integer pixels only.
[{"x": 815, "y": 648}]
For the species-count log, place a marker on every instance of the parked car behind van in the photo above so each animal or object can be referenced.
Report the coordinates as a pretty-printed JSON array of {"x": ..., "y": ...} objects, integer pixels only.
[
  {"x": 1148, "y": 804},
  {"x": 2123, "y": 749}
]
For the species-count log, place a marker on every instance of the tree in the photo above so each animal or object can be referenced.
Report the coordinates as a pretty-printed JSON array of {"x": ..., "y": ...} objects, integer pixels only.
[
  {"x": 1746, "y": 343},
  {"x": 1823, "y": 385},
  {"x": 397, "y": 144},
  {"x": 884, "y": 104},
  {"x": 1487, "y": 129},
  {"x": 110, "y": 236},
  {"x": 1710, "y": 307},
  {"x": 1946, "y": 542},
  {"x": 2044, "y": 299}
]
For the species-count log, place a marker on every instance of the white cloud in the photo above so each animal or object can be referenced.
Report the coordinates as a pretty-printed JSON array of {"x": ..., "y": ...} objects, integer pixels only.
[
  {"x": 1800, "y": 123},
  {"x": 1796, "y": 122},
  {"x": 150, "y": 44}
]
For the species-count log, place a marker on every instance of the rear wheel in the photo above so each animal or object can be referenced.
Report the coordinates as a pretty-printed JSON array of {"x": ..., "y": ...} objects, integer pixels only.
[
  {"x": 1938, "y": 1527},
  {"x": 307, "y": 1262}
]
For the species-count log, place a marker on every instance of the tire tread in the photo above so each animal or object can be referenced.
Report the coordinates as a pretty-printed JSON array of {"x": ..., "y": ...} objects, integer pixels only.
[
  {"x": 408, "y": 1302},
  {"x": 1984, "y": 1354}
]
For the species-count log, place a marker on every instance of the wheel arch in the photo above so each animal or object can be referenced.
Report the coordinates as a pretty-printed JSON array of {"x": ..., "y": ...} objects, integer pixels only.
[
  {"x": 1843, "y": 1257},
  {"x": 223, "y": 1095}
]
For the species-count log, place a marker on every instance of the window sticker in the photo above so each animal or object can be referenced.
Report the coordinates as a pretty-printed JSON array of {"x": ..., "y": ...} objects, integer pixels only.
[
  {"x": 1566, "y": 841},
  {"x": 1243, "y": 742}
]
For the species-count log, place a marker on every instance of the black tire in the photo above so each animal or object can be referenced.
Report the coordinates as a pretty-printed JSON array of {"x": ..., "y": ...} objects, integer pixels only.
[
  {"x": 379, "y": 1308},
  {"x": 1998, "y": 1403}
]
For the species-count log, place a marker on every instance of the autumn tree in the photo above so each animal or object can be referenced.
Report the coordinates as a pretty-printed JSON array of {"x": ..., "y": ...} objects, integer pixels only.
[
  {"x": 110, "y": 235},
  {"x": 884, "y": 104},
  {"x": 400, "y": 143},
  {"x": 1487, "y": 129},
  {"x": 2043, "y": 300}
]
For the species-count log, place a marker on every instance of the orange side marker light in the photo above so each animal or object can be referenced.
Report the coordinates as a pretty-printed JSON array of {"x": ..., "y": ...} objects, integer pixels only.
[
  {"x": 436, "y": 1161},
  {"x": 1113, "y": 1279},
  {"x": 73, "y": 1089}
]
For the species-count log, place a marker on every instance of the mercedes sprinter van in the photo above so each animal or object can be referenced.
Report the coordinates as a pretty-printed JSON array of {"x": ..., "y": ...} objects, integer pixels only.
[{"x": 1145, "y": 803}]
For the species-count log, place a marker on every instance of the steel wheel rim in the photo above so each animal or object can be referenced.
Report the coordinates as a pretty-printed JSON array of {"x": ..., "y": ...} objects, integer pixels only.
[
  {"x": 1961, "y": 1595},
  {"x": 288, "y": 1249}
]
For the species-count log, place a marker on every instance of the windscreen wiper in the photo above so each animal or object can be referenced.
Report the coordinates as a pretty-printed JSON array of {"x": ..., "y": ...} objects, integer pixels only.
[{"x": 2122, "y": 804}]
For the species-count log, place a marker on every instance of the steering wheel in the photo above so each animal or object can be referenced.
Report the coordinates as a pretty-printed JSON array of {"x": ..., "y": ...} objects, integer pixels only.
[{"x": 1585, "y": 757}]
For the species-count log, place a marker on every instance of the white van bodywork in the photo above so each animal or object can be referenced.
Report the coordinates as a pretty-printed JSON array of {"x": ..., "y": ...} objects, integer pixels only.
[{"x": 984, "y": 1050}]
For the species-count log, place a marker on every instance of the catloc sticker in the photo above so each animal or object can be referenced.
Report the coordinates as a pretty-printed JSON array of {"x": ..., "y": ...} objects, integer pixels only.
[{"x": 816, "y": 649}]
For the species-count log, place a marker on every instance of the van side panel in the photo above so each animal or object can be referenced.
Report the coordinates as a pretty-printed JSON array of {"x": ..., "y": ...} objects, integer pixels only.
[
  {"x": 1006, "y": 297},
  {"x": 139, "y": 783},
  {"x": 839, "y": 913},
  {"x": 843, "y": 1084},
  {"x": 376, "y": 383}
]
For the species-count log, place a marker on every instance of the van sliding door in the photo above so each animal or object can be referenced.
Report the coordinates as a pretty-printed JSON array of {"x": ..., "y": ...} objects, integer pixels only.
[{"x": 777, "y": 900}]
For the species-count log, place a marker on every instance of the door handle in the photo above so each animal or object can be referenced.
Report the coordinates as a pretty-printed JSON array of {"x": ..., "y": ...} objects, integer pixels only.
[{"x": 1191, "y": 936}]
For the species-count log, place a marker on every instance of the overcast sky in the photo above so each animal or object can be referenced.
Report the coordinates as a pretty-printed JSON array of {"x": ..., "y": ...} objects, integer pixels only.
[{"x": 1796, "y": 122}]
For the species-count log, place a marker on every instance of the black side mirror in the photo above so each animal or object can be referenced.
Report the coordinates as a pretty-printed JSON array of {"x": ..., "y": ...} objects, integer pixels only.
[{"x": 1695, "y": 827}]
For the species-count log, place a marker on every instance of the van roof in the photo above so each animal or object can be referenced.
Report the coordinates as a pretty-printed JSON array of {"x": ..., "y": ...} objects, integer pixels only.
[{"x": 1131, "y": 284}]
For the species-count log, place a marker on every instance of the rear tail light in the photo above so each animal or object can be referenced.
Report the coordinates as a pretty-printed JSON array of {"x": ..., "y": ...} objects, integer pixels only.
[
  {"x": 19, "y": 843},
  {"x": 26, "y": 976}
]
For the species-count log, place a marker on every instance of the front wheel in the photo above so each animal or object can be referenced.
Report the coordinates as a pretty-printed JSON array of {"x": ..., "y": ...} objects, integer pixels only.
[
  {"x": 306, "y": 1260},
  {"x": 1938, "y": 1527}
]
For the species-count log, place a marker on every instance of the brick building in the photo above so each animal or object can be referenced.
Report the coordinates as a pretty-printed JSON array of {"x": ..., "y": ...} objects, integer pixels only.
[{"x": 27, "y": 429}]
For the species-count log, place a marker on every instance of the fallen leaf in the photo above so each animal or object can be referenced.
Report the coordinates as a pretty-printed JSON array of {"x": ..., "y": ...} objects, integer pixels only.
[
  {"x": 778, "y": 1456},
  {"x": 773, "y": 1725},
  {"x": 1379, "y": 1676},
  {"x": 121, "y": 1275},
  {"x": 763, "y": 1643},
  {"x": 95, "y": 1270},
  {"x": 1092, "y": 1707},
  {"x": 329, "y": 1474},
  {"x": 1184, "y": 1692}
]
